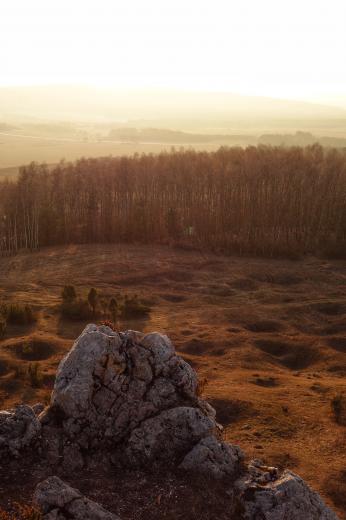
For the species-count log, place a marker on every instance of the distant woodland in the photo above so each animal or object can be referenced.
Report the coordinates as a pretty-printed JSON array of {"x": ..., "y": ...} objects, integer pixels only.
[{"x": 264, "y": 200}]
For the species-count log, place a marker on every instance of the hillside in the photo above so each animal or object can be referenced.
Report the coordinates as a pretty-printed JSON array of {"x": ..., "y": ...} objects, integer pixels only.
[
  {"x": 266, "y": 335},
  {"x": 95, "y": 104}
]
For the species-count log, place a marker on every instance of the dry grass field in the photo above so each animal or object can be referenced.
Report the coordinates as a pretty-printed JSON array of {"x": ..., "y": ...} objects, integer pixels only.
[
  {"x": 267, "y": 338},
  {"x": 17, "y": 150}
]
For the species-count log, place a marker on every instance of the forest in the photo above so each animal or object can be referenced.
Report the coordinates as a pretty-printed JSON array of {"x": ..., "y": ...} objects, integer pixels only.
[{"x": 266, "y": 201}]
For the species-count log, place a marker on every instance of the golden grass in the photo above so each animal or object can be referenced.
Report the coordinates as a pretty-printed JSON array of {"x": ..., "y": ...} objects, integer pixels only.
[{"x": 271, "y": 346}]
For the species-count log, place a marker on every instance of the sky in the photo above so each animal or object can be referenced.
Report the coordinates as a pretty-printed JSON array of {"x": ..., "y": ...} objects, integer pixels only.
[{"x": 277, "y": 48}]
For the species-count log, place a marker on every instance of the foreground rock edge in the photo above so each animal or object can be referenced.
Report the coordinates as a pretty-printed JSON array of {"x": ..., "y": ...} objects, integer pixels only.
[
  {"x": 128, "y": 397},
  {"x": 57, "y": 500}
]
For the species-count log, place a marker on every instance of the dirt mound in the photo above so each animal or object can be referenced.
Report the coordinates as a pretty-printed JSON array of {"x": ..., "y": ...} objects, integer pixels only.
[
  {"x": 173, "y": 298},
  {"x": 280, "y": 278},
  {"x": 186, "y": 332},
  {"x": 295, "y": 356},
  {"x": 330, "y": 308},
  {"x": 4, "y": 367},
  {"x": 220, "y": 290},
  {"x": 218, "y": 352},
  {"x": 243, "y": 284},
  {"x": 339, "y": 370},
  {"x": 265, "y": 326},
  {"x": 197, "y": 347},
  {"x": 335, "y": 486},
  {"x": 338, "y": 327},
  {"x": 337, "y": 343},
  {"x": 268, "y": 382},
  {"x": 229, "y": 411},
  {"x": 34, "y": 350},
  {"x": 178, "y": 275},
  {"x": 200, "y": 347},
  {"x": 34, "y": 347}
]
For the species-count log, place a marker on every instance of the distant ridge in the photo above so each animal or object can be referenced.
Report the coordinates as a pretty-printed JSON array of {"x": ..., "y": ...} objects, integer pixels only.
[{"x": 91, "y": 103}]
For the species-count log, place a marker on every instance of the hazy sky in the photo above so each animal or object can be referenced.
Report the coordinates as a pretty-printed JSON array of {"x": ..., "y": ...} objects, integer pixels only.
[{"x": 282, "y": 48}]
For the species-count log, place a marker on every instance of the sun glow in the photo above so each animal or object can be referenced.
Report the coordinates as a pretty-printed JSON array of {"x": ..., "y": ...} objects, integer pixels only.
[{"x": 293, "y": 48}]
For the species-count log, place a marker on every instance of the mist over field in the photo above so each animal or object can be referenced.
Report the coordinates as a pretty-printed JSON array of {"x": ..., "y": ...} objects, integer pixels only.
[{"x": 50, "y": 123}]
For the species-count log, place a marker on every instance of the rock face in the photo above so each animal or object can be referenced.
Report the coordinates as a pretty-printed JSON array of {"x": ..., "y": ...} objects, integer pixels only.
[
  {"x": 129, "y": 395},
  {"x": 214, "y": 458},
  {"x": 18, "y": 429},
  {"x": 58, "y": 501},
  {"x": 268, "y": 496},
  {"x": 130, "y": 400}
]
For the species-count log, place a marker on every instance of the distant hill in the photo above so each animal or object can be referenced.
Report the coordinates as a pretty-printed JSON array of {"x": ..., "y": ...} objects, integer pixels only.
[
  {"x": 301, "y": 139},
  {"x": 174, "y": 137},
  {"x": 96, "y": 104}
]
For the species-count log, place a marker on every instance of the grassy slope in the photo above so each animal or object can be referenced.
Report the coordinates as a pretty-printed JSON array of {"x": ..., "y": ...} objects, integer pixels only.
[{"x": 268, "y": 335}]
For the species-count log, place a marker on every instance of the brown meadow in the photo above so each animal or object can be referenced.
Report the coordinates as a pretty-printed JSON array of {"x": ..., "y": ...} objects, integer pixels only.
[{"x": 267, "y": 338}]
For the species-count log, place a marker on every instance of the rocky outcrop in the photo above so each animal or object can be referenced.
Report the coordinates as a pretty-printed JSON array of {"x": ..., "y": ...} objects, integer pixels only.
[
  {"x": 58, "y": 501},
  {"x": 128, "y": 395},
  {"x": 268, "y": 496},
  {"x": 213, "y": 458},
  {"x": 167, "y": 437},
  {"x": 130, "y": 400},
  {"x": 19, "y": 428}
]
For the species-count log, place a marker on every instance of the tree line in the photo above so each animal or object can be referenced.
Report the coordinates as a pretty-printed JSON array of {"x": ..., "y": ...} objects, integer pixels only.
[{"x": 256, "y": 201}]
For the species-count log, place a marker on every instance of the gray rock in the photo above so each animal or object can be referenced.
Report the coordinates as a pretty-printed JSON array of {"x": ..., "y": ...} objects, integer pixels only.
[
  {"x": 168, "y": 436},
  {"x": 107, "y": 388},
  {"x": 214, "y": 458},
  {"x": 267, "y": 496},
  {"x": 18, "y": 429},
  {"x": 59, "y": 501}
]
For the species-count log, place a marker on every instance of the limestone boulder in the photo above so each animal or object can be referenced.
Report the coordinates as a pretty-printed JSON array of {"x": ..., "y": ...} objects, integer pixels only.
[
  {"x": 267, "y": 495},
  {"x": 58, "y": 501},
  {"x": 19, "y": 428},
  {"x": 214, "y": 458},
  {"x": 125, "y": 394}
]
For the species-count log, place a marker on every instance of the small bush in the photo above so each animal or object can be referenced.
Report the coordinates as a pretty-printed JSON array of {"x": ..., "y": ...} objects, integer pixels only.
[
  {"x": 19, "y": 372},
  {"x": 3, "y": 326},
  {"x": 68, "y": 294},
  {"x": 201, "y": 386},
  {"x": 78, "y": 310},
  {"x": 107, "y": 323},
  {"x": 18, "y": 314},
  {"x": 339, "y": 408},
  {"x": 335, "y": 486},
  {"x": 21, "y": 512},
  {"x": 35, "y": 376},
  {"x": 93, "y": 299},
  {"x": 114, "y": 310},
  {"x": 4, "y": 367},
  {"x": 86, "y": 309}
]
